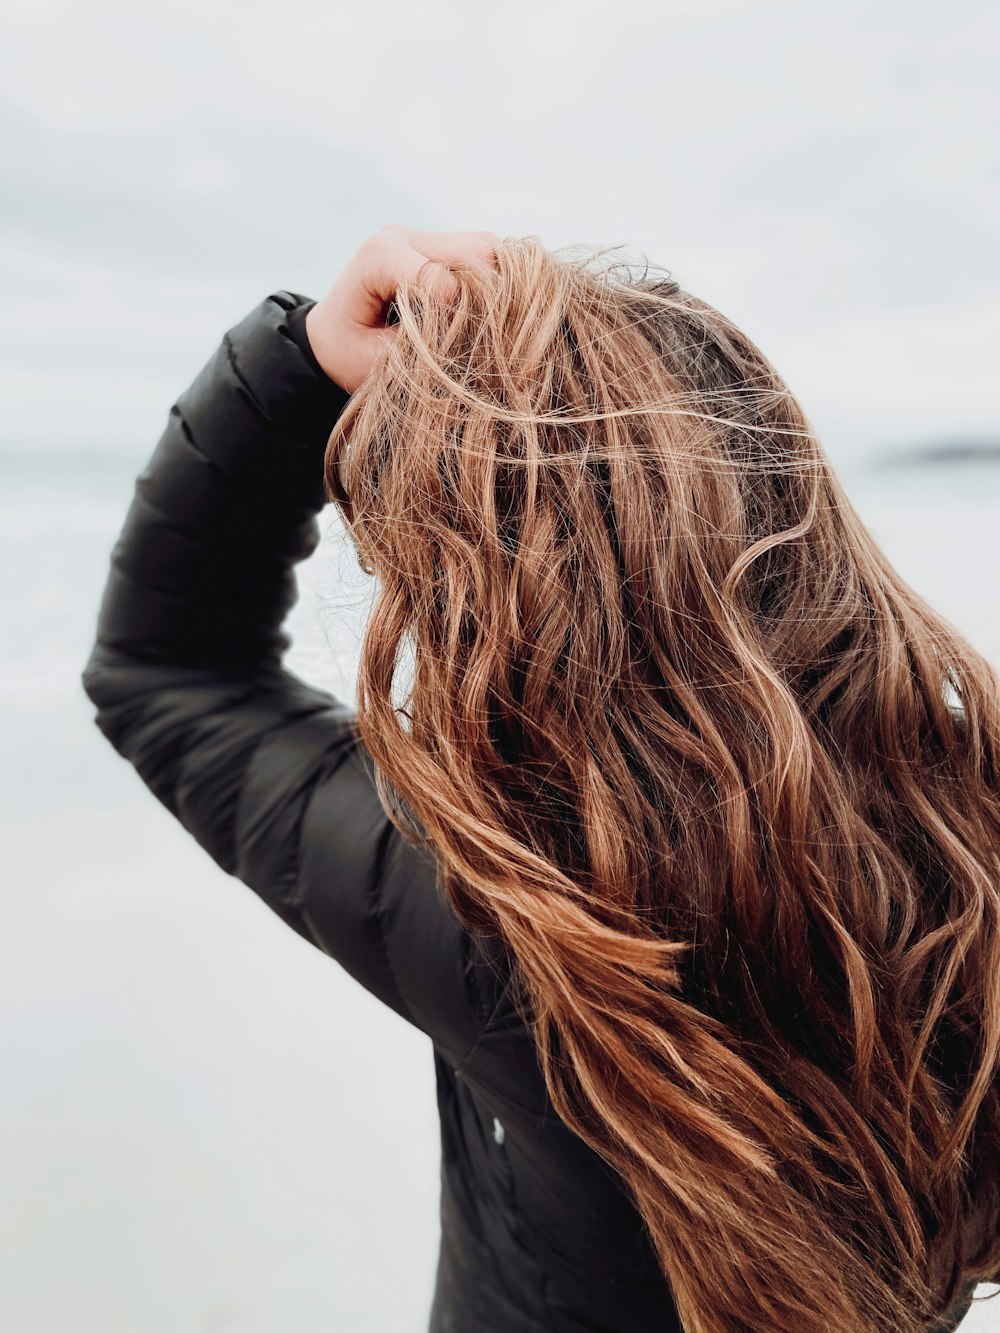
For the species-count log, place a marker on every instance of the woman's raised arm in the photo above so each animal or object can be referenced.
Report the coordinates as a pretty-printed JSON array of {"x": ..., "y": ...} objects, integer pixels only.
[{"x": 264, "y": 770}]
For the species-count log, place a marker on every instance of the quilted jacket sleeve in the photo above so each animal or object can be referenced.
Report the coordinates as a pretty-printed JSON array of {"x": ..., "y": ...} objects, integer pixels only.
[{"x": 264, "y": 770}]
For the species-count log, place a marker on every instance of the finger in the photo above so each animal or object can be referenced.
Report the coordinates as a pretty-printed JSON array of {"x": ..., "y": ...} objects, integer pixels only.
[
  {"x": 448, "y": 246},
  {"x": 395, "y": 262}
]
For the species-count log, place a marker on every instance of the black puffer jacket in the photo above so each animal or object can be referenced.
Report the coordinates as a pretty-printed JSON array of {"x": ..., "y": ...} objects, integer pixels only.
[
  {"x": 265, "y": 772},
  {"x": 263, "y": 769}
]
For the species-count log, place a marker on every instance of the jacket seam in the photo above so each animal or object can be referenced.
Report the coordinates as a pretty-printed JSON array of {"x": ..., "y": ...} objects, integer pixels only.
[
  {"x": 256, "y": 407},
  {"x": 227, "y": 343},
  {"x": 187, "y": 431},
  {"x": 484, "y": 1029}
]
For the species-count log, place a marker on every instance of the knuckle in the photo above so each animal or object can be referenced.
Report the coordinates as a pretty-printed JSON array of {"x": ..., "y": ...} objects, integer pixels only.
[{"x": 374, "y": 247}]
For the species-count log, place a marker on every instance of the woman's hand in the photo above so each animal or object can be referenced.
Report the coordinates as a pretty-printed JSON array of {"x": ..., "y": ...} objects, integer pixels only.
[{"x": 347, "y": 327}]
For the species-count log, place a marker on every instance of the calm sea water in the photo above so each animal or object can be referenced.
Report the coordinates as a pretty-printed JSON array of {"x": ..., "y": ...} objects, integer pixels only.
[{"x": 206, "y": 1125}]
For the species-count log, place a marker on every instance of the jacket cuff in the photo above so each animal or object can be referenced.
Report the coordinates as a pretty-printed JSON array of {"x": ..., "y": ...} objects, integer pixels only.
[
  {"x": 297, "y": 331},
  {"x": 284, "y": 388}
]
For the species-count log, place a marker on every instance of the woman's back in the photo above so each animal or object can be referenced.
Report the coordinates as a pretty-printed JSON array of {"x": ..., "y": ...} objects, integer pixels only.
[{"x": 537, "y": 1230}]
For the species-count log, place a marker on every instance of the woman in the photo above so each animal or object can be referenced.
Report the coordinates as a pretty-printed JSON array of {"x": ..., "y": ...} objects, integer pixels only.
[{"x": 682, "y": 845}]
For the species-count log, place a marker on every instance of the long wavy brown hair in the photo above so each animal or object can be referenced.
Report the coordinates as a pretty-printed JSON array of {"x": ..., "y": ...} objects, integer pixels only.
[{"x": 725, "y": 786}]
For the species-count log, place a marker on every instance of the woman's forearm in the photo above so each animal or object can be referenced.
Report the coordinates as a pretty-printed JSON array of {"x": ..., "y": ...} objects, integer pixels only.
[{"x": 202, "y": 573}]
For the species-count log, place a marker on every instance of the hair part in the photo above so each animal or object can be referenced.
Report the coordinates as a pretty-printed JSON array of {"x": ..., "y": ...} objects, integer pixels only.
[{"x": 671, "y": 707}]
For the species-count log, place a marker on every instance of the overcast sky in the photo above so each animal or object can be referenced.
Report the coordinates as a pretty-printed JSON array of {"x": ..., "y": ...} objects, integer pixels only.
[
  {"x": 209, "y": 1128},
  {"x": 826, "y": 175}
]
